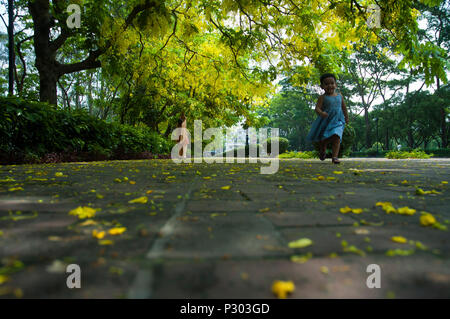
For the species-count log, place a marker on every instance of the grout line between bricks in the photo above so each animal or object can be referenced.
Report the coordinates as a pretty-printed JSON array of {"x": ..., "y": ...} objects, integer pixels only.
[{"x": 144, "y": 280}]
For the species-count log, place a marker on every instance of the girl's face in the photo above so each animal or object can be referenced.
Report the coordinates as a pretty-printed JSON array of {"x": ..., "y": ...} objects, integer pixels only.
[{"x": 329, "y": 85}]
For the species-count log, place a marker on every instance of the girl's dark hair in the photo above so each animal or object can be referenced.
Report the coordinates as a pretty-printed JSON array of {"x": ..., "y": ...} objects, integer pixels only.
[{"x": 327, "y": 75}]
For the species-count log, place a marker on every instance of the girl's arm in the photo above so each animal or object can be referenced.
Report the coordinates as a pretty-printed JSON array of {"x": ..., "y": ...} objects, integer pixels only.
[
  {"x": 344, "y": 110},
  {"x": 319, "y": 107}
]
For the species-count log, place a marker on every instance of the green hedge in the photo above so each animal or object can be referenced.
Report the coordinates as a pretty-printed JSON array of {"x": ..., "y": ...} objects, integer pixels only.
[
  {"x": 304, "y": 155},
  {"x": 435, "y": 153},
  {"x": 32, "y": 130},
  {"x": 403, "y": 154},
  {"x": 283, "y": 144}
]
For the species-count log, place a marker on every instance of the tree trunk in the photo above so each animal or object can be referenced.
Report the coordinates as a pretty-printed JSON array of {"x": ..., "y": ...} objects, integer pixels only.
[
  {"x": 45, "y": 50},
  {"x": 366, "y": 118},
  {"x": 386, "y": 142},
  {"x": 11, "y": 52},
  {"x": 443, "y": 123},
  {"x": 410, "y": 138},
  {"x": 47, "y": 85}
]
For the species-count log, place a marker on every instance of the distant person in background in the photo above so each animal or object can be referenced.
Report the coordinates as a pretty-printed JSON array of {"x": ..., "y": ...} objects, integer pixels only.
[
  {"x": 183, "y": 139},
  {"x": 399, "y": 147}
]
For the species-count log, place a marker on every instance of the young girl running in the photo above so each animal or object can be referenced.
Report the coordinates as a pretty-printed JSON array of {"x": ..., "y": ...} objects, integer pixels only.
[{"x": 329, "y": 125}]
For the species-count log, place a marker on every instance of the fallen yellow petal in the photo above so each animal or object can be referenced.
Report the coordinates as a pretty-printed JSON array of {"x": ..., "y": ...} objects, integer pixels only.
[
  {"x": 324, "y": 270},
  {"x": 83, "y": 212},
  {"x": 389, "y": 209},
  {"x": 427, "y": 220},
  {"x": 383, "y": 204},
  {"x": 399, "y": 239},
  {"x": 357, "y": 210},
  {"x": 420, "y": 191},
  {"x": 225, "y": 187},
  {"x": 300, "y": 243},
  {"x": 338, "y": 172},
  {"x": 406, "y": 211},
  {"x": 345, "y": 210},
  {"x": 3, "y": 279},
  {"x": 88, "y": 222},
  {"x": 117, "y": 230},
  {"x": 282, "y": 288},
  {"x": 141, "y": 200},
  {"x": 97, "y": 234}
]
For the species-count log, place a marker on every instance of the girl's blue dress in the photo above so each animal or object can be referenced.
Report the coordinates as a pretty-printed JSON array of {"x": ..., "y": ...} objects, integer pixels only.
[{"x": 334, "y": 123}]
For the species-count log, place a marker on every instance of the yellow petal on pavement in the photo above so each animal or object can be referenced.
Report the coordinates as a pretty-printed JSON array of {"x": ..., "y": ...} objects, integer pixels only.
[
  {"x": 357, "y": 210},
  {"x": 141, "y": 200},
  {"x": 338, "y": 172},
  {"x": 399, "y": 239},
  {"x": 282, "y": 288},
  {"x": 345, "y": 210},
  {"x": 324, "y": 270},
  {"x": 117, "y": 230},
  {"x": 300, "y": 243},
  {"x": 98, "y": 234},
  {"x": 88, "y": 222},
  {"x": 427, "y": 220},
  {"x": 3, "y": 279},
  {"x": 383, "y": 204},
  {"x": 225, "y": 187},
  {"x": 389, "y": 209},
  {"x": 83, "y": 212},
  {"x": 406, "y": 211},
  {"x": 420, "y": 191}
]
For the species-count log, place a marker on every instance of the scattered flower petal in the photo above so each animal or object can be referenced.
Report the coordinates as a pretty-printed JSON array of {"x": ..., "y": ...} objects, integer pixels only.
[
  {"x": 399, "y": 239},
  {"x": 117, "y": 230},
  {"x": 141, "y": 200},
  {"x": 282, "y": 288},
  {"x": 300, "y": 243}
]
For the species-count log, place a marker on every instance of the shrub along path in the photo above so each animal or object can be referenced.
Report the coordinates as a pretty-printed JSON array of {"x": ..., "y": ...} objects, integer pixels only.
[{"x": 156, "y": 229}]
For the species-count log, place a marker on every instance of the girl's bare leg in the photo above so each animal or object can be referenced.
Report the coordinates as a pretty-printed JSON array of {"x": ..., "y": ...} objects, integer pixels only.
[
  {"x": 324, "y": 143},
  {"x": 335, "y": 146},
  {"x": 322, "y": 146}
]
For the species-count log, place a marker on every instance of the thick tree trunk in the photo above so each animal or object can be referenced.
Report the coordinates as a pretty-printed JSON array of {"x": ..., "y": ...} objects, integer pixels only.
[
  {"x": 45, "y": 55},
  {"x": 47, "y": 85},
  {"x": 51, "y": 70}
]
